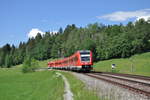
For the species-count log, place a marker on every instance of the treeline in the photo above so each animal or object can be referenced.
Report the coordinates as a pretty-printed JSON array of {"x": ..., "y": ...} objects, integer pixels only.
[{"x": 105, "y": 41}]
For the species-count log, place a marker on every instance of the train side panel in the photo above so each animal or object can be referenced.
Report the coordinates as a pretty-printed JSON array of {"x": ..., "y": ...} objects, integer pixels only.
[{"x": 78, "y": 61}]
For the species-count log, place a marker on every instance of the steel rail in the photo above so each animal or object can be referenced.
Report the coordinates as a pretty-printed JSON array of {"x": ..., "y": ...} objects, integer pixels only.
[
  {"x": 125, "y": 75},
  {"x": 133, "y": 81}
]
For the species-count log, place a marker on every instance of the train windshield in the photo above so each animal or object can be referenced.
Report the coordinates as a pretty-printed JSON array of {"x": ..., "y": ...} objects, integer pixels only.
[
  {"x": 85, "y": 58},
  {"x": 85, "y": 55}
]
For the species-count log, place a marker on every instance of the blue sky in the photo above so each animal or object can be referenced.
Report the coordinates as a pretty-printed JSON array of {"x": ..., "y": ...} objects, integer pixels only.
[{"x": 19, "y": 18}]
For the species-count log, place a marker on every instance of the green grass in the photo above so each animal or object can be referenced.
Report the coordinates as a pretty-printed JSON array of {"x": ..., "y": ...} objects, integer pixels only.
[
  {"x": 44, "y": 85},
  {"x": 137, "y": 64},
  {"x": 78, "y": 88}
]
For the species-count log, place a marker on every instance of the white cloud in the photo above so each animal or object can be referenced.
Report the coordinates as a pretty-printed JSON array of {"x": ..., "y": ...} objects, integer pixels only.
[
  {"x": 144, "y": 17},
  {"x": 33, "y": 32},
  {"x": 123, "y": 16}
]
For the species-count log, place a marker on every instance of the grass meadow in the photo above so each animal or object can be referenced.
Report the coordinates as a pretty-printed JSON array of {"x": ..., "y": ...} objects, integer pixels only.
[
  {"x": 137, "y": 64},
  {"x": 40, "y": 85},
  {"x": 44, "y": 85}
]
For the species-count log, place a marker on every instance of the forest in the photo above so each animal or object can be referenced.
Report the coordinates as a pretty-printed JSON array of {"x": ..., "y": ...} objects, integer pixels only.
[{"x": 105, "y": 41}]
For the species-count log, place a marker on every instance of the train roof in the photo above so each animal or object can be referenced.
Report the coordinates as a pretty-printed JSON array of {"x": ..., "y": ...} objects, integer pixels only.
[
  {"x": 66, "y": 58},
  {"x": 84, "y": 50}
]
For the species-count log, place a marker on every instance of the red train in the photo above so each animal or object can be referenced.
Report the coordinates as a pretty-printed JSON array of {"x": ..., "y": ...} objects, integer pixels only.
[{"x": 81, "y": 60}]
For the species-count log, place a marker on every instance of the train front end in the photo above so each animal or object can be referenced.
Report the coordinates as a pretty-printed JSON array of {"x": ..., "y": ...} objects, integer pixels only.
[{"x": 86, "y": 60}]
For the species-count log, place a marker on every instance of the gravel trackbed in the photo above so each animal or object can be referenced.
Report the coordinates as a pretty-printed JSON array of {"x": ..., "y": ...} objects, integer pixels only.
[{"x": 107, "y": 91}]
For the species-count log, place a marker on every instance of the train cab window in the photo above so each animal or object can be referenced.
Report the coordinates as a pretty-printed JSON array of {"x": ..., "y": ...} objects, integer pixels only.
[{"x": 85, "y": 58}]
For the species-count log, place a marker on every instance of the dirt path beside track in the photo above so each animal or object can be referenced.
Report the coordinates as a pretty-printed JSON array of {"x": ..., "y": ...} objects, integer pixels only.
[{"x": 68, "y": 94}]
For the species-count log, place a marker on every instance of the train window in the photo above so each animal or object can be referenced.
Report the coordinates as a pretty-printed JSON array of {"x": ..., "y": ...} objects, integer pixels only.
[{"x": 85, "y": 58}]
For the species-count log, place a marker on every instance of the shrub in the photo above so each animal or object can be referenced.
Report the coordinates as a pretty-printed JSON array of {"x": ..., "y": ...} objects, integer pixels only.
[
  {"x": 115, "y": 71},
  {"x": 29, "y": 65}
]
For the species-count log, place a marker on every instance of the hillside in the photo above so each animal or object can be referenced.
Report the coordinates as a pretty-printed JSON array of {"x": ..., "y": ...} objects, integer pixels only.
[
  {"x": 105, "y": 41},
  {"x": 137, "y": 64}
]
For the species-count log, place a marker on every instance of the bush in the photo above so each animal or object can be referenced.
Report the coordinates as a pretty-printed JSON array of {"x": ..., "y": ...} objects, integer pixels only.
[
  {"x": 29, "y": 65},
  {"x": 115, "y": 71}
]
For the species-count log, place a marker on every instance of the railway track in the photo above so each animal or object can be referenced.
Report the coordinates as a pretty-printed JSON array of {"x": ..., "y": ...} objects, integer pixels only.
[
  {"x": 135, "y": 83},
  {"x": 125, "y": 75}
]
